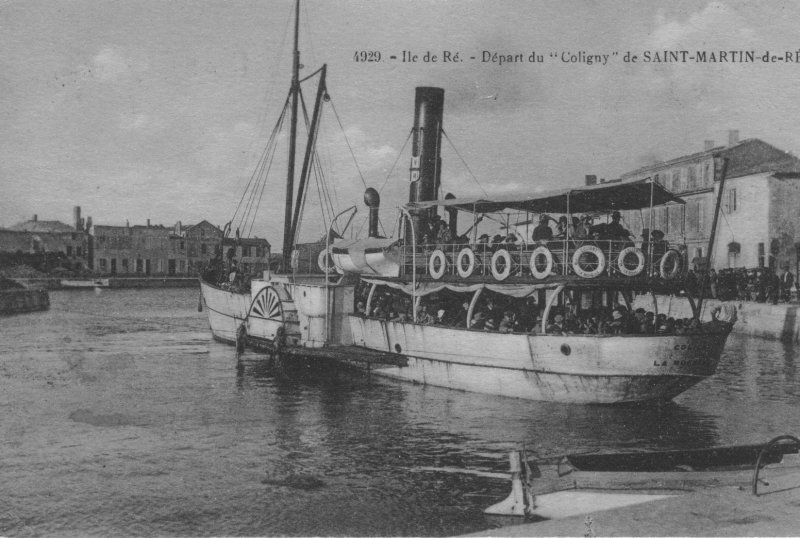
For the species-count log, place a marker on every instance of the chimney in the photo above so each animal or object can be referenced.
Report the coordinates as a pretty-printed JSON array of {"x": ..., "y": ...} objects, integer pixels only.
[
  {"x": 708, "y": 145},
  {"x": 148, "y": 223},
  {"x": 426, "y": 162},
  {"x": 35, "y": 218},
  {"x": 76, "y": 213},
  {"x": 127, "y": 223},
  {"x": 733, "y": 137},
  {"x": 88, "y": 224},
  {"x": 590, "y": 179},
  {"x": 178, "y": 228},
  {"x": 373, "y": 201}
]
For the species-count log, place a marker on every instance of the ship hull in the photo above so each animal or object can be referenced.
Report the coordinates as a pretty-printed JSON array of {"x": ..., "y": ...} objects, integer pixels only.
[
  {"x": 570, "y": 368},
  {"x": 226, "y": 311}
]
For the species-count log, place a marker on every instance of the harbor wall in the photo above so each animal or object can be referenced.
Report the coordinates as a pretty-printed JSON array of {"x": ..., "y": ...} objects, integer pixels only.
[
  {"x": 763, "y": 320},
  {"x": 20, "y": 301},
  {"x": 117, "y": 283}
]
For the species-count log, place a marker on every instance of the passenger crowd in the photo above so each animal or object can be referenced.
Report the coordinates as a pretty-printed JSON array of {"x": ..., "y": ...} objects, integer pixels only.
[
  {"x": 497, "y": 313},
  {"x": 761, "y": 285},
  {"x": 438, "y": 232}
]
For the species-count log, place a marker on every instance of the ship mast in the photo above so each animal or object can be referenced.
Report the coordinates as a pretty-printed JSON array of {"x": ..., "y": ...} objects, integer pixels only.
[{"x": 295, "y": 90}]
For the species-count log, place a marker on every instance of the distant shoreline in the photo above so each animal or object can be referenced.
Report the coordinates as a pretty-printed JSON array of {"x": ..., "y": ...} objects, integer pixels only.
[{"x": 53, "y": 283}]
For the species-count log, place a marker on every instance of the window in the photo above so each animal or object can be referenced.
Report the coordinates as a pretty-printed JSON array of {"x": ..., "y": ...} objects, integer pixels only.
[
  {"x": 78, "y": 251},
  {"x": 707, "y": 174},
  {"x": 203, "y": 249},
  {"x": 183, "y": 245},
  {"x": 183, "y": 266},
  {"x": 675, "y": 218},
  {"x": 761, "y": 252},
  {"x": 139, "y": 265},
  {"x": 103, "y": 265},
  {"x": 693, "y": 216},
  {"x": 69, "y": 250},
  {"x": 731, "y": 204},
  {"x": 124, "y": 265},
  {"x": 692, "y": 181}
]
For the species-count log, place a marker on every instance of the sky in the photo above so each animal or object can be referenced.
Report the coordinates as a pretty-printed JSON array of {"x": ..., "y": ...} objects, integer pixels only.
[{"x": 146, "y": 109}]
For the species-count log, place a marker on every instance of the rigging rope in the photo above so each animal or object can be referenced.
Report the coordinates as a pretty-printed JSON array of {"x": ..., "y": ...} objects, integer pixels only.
[
  {"x": 348, "y": 145},
  {"x": 266, "y": 157},
  {"x": 464, "y": 163}
]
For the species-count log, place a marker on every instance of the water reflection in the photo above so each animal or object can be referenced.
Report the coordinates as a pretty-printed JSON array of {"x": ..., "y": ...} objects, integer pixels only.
[{"x": 170, "y": 435}]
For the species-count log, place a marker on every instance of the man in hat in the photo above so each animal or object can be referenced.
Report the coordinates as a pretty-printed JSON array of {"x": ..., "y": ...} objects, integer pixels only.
[
  {"x": 507, "y": 323},
  {"x": 557, "y": 327},
  {"x": 543, "y": 232},
  {"x": 787, "y": 279},
  {"x": 615, "y": 230}
]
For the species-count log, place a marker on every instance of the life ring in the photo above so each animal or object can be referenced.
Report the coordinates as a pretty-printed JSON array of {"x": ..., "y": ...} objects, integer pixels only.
[
  {"x": 591, "y": 250},
  {"x": 437, "y": 265},
  {"x": 541, "y": 250},
  {"x": 669, "y": 267},
  {"x": 623, "y": 268},
  {"x": 322, "y": 261},
  {"x": 504, "y": 256},
  {"x": 465, "y": 272}
]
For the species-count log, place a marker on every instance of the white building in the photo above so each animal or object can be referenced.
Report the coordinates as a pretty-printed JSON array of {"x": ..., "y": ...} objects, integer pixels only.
[{"x": 759, "y": 220}]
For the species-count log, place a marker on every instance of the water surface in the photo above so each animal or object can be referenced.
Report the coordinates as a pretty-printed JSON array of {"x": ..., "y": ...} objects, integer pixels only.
[{"x": 121, "y": 416}]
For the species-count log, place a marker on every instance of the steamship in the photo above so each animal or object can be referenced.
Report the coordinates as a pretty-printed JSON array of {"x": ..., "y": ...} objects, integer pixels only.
[{"x": 567, "y": 276}]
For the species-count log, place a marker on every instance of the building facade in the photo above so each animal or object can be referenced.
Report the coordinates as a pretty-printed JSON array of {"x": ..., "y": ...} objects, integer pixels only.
[
  {"x": 171, "y": 251},
  {"x": 759, "y": 221},
  {"x": 50, "y": 243}
]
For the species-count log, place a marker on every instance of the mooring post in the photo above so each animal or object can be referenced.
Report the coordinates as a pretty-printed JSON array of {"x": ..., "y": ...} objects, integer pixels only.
[{"x": 516, "y": 504}]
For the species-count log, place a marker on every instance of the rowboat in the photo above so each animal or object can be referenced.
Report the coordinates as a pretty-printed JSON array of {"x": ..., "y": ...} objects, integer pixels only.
[{"x": 577, "y": 484}]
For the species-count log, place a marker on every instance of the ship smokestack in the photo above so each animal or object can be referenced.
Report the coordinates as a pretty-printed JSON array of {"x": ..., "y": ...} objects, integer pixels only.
[
  {"x": 426, "y": 163},
  {"x": 373, "y": 201},
  {"x": 76, "y": 213}
]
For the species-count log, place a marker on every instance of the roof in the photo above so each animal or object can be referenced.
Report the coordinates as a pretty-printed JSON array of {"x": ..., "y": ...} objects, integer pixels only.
[
  {"x": 750, "y": 156},
  {"x": 602, "y": 197},
  {"x": 754, "y": 156},
  {"x": 42, "y": 226}
]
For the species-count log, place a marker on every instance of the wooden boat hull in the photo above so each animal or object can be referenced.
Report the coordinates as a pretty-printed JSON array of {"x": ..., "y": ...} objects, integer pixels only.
[
  {"x": 569, "y": 368},
  {"x": 226, "y": 311}
]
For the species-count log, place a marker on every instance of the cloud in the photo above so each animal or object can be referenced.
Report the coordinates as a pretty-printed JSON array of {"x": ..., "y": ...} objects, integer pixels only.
[
  {"x": 110, "y": 65},
  {"x": 370, "y": 156},
  {"x": 716, "y": 25}
]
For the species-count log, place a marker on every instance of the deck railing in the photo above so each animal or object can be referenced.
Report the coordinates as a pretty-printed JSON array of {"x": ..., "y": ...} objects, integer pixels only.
[{"x": 546, "y": 260}]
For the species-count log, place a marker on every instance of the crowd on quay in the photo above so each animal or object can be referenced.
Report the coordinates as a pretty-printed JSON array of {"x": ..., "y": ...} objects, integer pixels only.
[
  {"x": 762, "y": 285},
  {"x": 503, "y": 314}
]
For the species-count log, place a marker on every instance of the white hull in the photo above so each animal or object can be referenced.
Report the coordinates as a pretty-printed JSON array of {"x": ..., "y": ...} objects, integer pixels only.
[
  {"x": 226, "y": 311},
  {"x": 571, "y": 368}
]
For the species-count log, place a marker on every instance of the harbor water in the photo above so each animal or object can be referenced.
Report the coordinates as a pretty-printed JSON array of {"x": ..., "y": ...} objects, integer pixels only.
[{"x": 121, "y": 416}]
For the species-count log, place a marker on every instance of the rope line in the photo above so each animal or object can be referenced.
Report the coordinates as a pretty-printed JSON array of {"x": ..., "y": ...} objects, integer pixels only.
[{"x": 464, "y": 163}]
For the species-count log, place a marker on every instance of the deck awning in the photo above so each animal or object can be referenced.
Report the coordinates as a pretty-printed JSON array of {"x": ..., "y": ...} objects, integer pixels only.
[{"x": 605, "y": 197}]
